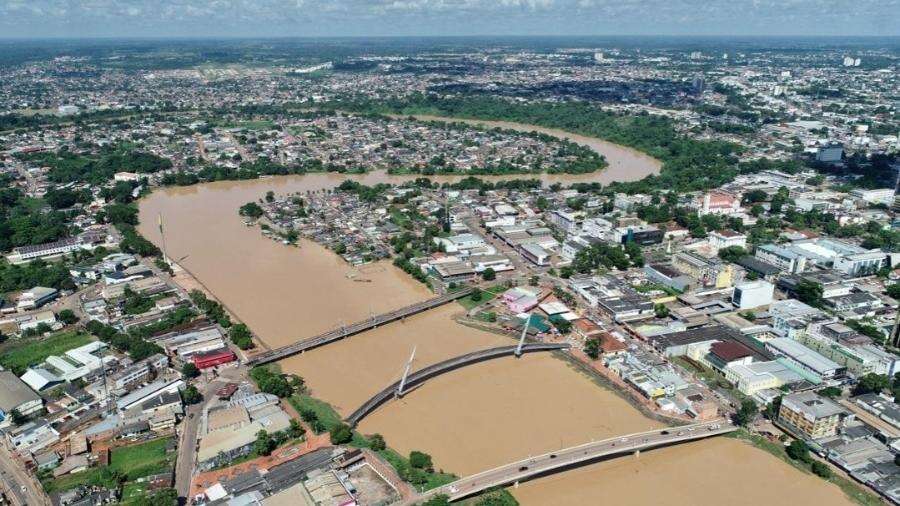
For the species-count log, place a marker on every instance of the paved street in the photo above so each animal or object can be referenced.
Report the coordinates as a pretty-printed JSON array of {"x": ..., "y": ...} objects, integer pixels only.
[
  {"x": 187, "y": 444},
  {"x": 18, "y": 485}
]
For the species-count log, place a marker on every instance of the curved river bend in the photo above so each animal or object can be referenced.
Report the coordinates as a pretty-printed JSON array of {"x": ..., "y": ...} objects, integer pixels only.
[{"x": 477, "y": 417}]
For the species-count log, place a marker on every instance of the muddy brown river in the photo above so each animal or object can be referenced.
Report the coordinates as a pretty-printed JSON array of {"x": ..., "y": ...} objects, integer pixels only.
[{"x": 473, "y": 418}]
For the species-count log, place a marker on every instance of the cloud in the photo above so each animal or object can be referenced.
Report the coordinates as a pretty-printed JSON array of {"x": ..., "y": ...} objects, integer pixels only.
[{"x": 446, "y": 17}]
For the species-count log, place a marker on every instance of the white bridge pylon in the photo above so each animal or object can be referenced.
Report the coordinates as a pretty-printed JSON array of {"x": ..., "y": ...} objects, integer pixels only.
[
  {"x": 406, "y": 373},
  {"x": 522, "y": 337}
]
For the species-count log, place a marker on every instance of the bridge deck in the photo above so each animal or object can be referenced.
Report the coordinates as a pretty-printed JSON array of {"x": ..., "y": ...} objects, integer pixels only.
[
  {"x": 550, "y": 462},
  {"x": 355, "y": 328},
  {"x": 442, "y": 367}
]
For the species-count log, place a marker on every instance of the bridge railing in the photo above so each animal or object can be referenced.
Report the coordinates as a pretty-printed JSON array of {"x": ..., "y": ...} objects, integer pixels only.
[
  {"x": 454, "y": 492},
  {"x": 450, "y": 364},
  {"x": 355, "y": 328}
]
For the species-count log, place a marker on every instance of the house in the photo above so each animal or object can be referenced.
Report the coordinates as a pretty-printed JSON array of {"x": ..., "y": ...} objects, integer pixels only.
[{"x": 32, "y": 437}]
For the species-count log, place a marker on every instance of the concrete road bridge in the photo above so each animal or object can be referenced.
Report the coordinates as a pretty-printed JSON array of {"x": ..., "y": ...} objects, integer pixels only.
[
  {"x": 409, "y": 380},
  {"x": 575, "y": 456},
  {"x": 355, "y": 328}
]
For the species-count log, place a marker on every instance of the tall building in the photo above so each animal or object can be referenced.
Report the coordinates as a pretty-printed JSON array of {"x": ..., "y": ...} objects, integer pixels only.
[{"x": 811, "y": 414}]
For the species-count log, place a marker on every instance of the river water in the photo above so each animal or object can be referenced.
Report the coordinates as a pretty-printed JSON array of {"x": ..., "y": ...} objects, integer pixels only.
[{"x": 476, "y": 417}]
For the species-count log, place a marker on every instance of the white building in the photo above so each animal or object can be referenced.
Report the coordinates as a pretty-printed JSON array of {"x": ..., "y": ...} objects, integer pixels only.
[
  {"x": 753, "y": 294},
  {"x": 879, "y": 196},
  {"x": 783, "y": 258},
  {"x": 36, "y": 297},
  {"x": 726, "y": 239},
  {"x": 535, "y": 254}
]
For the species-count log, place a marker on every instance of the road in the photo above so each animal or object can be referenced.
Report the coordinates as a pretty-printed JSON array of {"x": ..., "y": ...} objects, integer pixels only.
[
  {"x": 20, "y": 487},
  {"x": 562, "y": 459},
  {"x": 187, "y": 444}
]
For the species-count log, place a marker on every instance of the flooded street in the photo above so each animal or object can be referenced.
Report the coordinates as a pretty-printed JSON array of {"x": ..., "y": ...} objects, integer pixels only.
[{"x": 470, "y": 419}]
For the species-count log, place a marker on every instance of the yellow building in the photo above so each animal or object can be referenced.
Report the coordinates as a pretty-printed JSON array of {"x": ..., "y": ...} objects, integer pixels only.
[{"x": 813, "y": 415}]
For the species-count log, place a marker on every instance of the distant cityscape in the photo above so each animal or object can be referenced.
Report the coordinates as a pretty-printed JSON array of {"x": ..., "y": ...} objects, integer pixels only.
[{"x": 428, "y": 271}]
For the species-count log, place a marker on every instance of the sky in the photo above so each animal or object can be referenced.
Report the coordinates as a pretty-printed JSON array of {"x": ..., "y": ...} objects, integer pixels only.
[{"x": 300, "y": 18}]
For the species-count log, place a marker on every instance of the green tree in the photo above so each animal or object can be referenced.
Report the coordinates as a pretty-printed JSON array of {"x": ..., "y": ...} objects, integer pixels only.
[
  {"x": 264, "y": 444},
  {"x": 893, "y": 291},
  {"x": 476, "y": 294},
  {"x": 831, "y": 392},
  {"x": 17, "y": 417},
  {"x": 746, "y": 413},
  {"x": 592, "y": 348},
  {"x": 871, "y": 383},
  {"x": 161, "y": 497},
  {"x": 489, "y": 274},
  {"x": 661, "y": 310},
  {"x": 251, "y": 210},
  {"x": 271, "y": 382},
  {"x": 67, "y": 316},
  {"x": 190, "y": 395},
  {"x": 377, "y": 443},
  {"x": 438, "y": 500},
  {"x": 421, "y": 460},
  {"x": 821, "y": 469},
  {"x": 499, "y": 497},
  {"x": 296, "y": 430},
  {"x": 341, "y": 434},
  {"x": 732, "y": 253},
  {"x": 241, "y": 337},
  {"x": 798, "y": 450},
  {"x": 809, "y": 292},
  {"x": 189, "y": 370}
]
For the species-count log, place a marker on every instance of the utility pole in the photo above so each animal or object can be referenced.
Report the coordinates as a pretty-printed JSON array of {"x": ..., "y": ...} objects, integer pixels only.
[
  {"x": 522, "y": 338},
  {"x": 406, "y": 373}
]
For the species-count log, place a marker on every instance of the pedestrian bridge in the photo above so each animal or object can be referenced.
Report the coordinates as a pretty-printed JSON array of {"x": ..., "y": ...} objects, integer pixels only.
[
  {"x": 560, "y": 460},
  {"x": 355, "y": 328},
  {"x": 431, "y": 371}
]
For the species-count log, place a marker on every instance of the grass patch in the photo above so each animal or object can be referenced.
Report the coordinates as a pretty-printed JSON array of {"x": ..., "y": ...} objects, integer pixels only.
[
  {"x": 131, "y": 462},
  {"x": 325, "y": 413},
  {"x": 851, "y": 489},
  {"x": 487, "y": 295},
  {"x": 133, "y": 491},
  {"x": 137, "y": 461},
  {"x": 33, "y": 351}
]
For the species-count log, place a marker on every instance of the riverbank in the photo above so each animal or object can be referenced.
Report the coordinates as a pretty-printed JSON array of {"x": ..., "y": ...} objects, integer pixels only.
[
  {"x": 476, "y": 418},
  {"x": 622, "y": 163}
]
